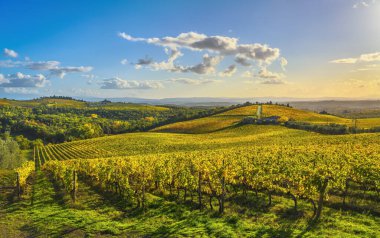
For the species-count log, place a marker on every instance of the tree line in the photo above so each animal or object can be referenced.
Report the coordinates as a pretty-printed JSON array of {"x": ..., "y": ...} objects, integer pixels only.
[{"x": 62, "y": 124}]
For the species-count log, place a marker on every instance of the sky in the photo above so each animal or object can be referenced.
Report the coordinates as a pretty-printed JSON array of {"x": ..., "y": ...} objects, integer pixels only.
[{"x": 197, "y": 48}]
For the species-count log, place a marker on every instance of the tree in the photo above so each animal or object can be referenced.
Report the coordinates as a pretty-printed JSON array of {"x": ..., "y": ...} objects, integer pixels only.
[
  {"x": 23, "y": 142},
  {"x": 10, "y": 154}
]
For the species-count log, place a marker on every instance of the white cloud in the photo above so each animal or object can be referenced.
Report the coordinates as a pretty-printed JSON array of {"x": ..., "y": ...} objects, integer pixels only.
[
  {"x": 371, "y": 57},
  {"x": 2, "y": 79},
  {"x": 266, "y": 74},
  {"x": 23, "y": 80},
  {"x": 259, "y": 52},
  {"x": 368, "y": 68},
  {"x": 143, "y": 62},
  {"x": 193, "y": 81},
  {"x": 273, "y": 81},
  {"x": 10, "y": 64},
  {"x": 206, "y": 67},
  {"x": 89, "y": 76},
  {"x": 42, "y": 65},
  {"x": 360, "y": 4},
  {"x": 264, "y": 77},
  {"x": 118, "y": 83},
  {"x": 242, "y": 60},
  {"x": 53, "y": 67},
  {"x": 229, "y": 71},
  {"x": 130, "y": 38},
  {"x": 169, "y": 64},
  {"x": 364, "y": 3},
  {"x": 247, "y": 74},
  {"x": 21, "y": 90},
  {"x": 124, "y": 62},
  {"x": 220, "y": 45},
  {"x": 345, "y": 61},
  {"x": 284, "y": 63},
  {"x": 62, "y": 71},
  {"x": 10, "y": 53}
]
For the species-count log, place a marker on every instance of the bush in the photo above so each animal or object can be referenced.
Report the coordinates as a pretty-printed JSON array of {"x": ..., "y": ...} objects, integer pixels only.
[
  {"x": 248, "y": 120},
  {"x": 330, "y": 129}
]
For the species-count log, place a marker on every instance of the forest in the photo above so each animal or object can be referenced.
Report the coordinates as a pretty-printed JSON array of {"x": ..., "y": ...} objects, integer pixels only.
[{"x": 53, "y": 122}]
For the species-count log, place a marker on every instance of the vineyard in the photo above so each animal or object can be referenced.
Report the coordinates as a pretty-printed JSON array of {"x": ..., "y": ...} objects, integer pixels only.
[
  {"x": 270, "y": 160},
  {"x": 301, "y": 172},
  {"x": 233, "y": 117},
  {"x": 256, "y": 175}
]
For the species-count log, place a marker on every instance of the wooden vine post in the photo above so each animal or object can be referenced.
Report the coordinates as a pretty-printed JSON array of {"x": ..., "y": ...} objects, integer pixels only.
[
  {"x": 222, "y": 196},
  {"x": 18, "y": 187},
  {"x": 322, "y": 194},
  {"x": 199, "y": 190},
  {"x": 74, "y": 186}
]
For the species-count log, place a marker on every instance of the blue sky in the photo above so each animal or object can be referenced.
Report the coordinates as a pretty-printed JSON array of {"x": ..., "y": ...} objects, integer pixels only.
[{"x": 157, "y": 49}]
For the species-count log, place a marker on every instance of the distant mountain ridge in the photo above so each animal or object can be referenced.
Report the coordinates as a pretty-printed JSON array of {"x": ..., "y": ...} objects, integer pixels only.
[{"x": 227, "y": 100}]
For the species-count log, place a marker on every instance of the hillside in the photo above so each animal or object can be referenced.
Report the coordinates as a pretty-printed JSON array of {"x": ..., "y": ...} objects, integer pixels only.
[
  {"x": 232, "y": 117},
  {"x": 144, "y": 143},
  {"x": 59, "y": 119},
  {"x": 72, "y": 103}
]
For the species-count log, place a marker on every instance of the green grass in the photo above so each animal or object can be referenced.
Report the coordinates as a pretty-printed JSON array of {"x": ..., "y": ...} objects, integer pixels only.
[{"x": 98, "y": 215}]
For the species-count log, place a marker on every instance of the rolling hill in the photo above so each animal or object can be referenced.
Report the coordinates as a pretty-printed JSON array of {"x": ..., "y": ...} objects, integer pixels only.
[
  {"x": 72, "y": 103},
  {"x": 232, "y": 117}
]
